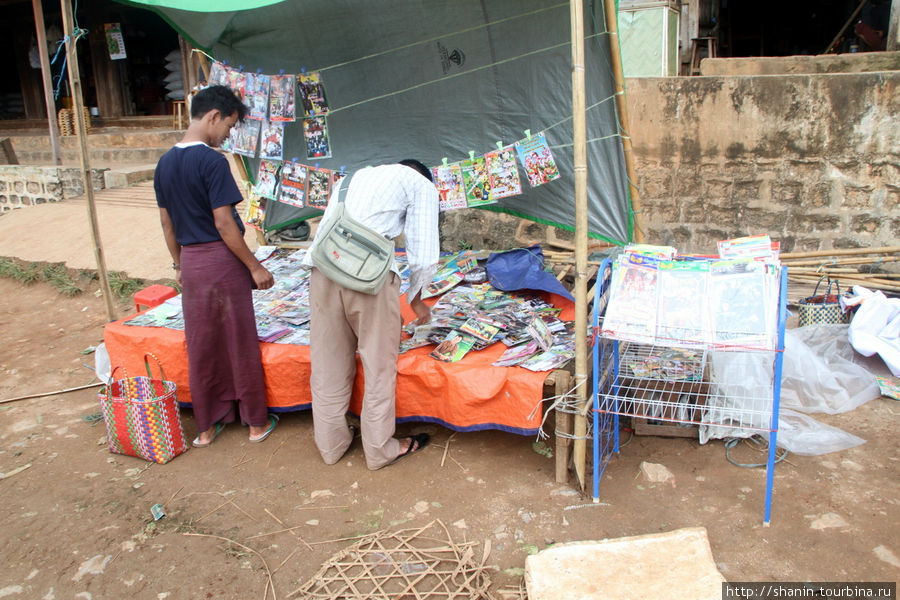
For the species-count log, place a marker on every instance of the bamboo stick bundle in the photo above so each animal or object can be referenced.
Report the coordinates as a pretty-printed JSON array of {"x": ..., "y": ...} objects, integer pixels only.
[
  {"x": 882, "y": 284},
  {"x": 840, "y": 252}
]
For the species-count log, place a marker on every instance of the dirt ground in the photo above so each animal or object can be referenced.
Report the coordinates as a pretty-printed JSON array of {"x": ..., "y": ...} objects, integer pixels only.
[{"x": 77, "y": 524}]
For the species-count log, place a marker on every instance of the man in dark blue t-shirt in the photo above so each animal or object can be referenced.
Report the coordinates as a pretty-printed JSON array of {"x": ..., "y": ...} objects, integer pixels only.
[{"x": 196, "y": 194}]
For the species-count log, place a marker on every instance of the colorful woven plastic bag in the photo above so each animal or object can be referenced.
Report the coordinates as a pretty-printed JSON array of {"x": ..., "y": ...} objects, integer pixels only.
[
  {"x": 822, "y": 309},
  {"x": 141, "y": 416}
]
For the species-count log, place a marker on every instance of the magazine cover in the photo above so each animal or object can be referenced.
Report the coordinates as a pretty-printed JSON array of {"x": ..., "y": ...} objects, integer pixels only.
[
  {"x": 272, "y": 141},
  {"x": 293, "y": 184},
  {"x": 453, "y": 348},
  {"x": 480, "y": 329},
  {"x": 537, "y": 160},
  {"x": 541, "y": 333},
  {"x": 245, "y": 137},
  {"x": 315, "y": 132},
  {"x": 553, "y": 358},
  {"x": 337, "y": 176},
  {"x": 439, "y": 286},
  {"x": 517, "y": 354},
  {"x": 256, "y": 95},
  {"x": 282, "y": 98},
  {"x": 319, "y": 188},
  {"x": 218, "y": 74},
  {"x": 236, "y": 80},
  {"x": 737, "y": 293},
  {"x": 683, "y": 308},
  {"x": 312, "y": 94},
  {"x": 631, "y": 311},
  {"x": 475, "y": 181},
  {"x": 267, "y": 178},
  {"x": 449, "y": 182},
  {"x": 256, "y": 210},
  {"x": 503, "y": 176}
]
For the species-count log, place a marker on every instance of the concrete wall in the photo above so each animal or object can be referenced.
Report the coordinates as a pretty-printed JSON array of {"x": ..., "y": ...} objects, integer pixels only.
[{"x": 813, "y": 160}]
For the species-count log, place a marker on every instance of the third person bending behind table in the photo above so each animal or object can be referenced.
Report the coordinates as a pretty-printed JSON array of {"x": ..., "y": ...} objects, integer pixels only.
[{"x": 391, "y": 199}]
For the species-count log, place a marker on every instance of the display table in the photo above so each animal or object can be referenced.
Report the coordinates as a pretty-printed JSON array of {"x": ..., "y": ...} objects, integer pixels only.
[{"x": 468, "y": 395}]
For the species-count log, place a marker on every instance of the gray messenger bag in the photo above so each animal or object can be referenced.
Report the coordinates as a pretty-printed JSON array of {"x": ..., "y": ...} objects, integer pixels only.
[{"x": 350, "y": 254}]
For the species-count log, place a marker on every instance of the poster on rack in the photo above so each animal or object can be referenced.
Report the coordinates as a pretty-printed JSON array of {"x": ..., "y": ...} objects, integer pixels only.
[
  {"x": 315, "y": 132},
  {"x": 256, "y": 95},
  {"x": 503, "y": 175},
  {"x": 218, "y": 74},
  {"x": 738, "y": 302},
  {"x": 683, "y": 305},
  {"x": 256, "y": 211},
  {"x": 244, "y": 138},
  {"x": 475, "y": 181},
  {"x": 115, "y": 42},
  {"x": 537, "y": 160},
  {"x": 282, "y": 98},
  {"x": 312, "y": 94},
  {"x": 631, "y": 312},
  {"x": 272, "y": 141},
  {"x": 449, "y": 182},
  {"x": 236, "y": 81},
  {"x": 267, "y": 178},
  {"x": 293, "y": 184},
  {"x": 319, "y": 188}
]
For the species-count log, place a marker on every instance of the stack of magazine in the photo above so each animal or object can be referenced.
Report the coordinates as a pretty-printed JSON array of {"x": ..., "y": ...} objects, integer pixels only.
[{"x": 726, "y": 301}]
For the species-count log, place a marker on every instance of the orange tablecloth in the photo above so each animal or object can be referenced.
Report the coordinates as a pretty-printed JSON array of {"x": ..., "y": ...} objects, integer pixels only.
[{"x": 468, "y": 395}]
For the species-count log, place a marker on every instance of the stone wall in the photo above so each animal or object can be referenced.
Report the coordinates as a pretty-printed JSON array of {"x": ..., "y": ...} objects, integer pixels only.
[
  {"x": 813, "y": 160},
  {"x": 28, "y": 186}
]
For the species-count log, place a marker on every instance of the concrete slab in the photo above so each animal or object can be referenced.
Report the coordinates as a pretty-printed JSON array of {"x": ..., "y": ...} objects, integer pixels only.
[
  {"x": 124, "y": 176},
  {"x": 675, "y": 565}
]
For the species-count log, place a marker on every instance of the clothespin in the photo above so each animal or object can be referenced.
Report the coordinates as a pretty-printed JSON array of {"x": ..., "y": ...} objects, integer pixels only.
[
  {"x": 281, "y": 71},
  {"x": 499, "y": 145},
  {"x": 259, "y": 71},
  {"x": 343, "y": 167},
  {"x": 294, "y": 160},
  {"x": 444, "y": 161},
  {"x": 317, "y": 166},
  {"x": 471, "y": 155},
  {"x": 303, "y": 70},
  {"x": 241, "y": 68},
  {"x": 225, "y": 62},
  {"x": 528, "y": 133}
]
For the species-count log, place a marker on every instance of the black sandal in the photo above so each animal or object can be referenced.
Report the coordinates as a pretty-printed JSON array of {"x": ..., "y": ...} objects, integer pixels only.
[{"x": 418, "y": 441}]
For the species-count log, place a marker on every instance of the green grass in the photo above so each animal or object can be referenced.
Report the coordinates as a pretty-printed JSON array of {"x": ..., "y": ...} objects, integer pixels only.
[{"x": 67, "y": 282}]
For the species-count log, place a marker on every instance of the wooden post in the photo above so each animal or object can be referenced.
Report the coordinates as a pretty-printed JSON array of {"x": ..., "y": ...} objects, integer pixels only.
[
  {"x": 579, "y": 146},
  {"x": 41, "y": 32},
  {"x": 80, "y": 128},
  {"x": 615, "y": 57},
  {"x": 893, "y": 33}
]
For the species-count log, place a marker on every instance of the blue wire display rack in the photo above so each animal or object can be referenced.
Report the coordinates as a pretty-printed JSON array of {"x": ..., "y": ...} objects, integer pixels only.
[{"x": 682, "y": 383}]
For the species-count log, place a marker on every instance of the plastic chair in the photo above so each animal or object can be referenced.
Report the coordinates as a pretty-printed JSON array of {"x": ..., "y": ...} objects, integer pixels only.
[{"x": 153, "y": 295}]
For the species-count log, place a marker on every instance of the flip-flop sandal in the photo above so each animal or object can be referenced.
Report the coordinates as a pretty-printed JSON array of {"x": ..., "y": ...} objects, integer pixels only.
[
  {"x": 273, "y": 422},
  {"x": 419, "y": 441},
  {"x": 198, "y": 444}
]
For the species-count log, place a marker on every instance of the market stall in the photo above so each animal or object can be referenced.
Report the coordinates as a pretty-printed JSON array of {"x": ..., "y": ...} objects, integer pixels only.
[{"x": 466, "y": 394}]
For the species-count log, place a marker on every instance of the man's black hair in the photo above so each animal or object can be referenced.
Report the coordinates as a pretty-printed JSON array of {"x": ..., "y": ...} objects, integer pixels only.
[
  {"x": 217, "y": 97},
  {"x": 418, "y": 166}
]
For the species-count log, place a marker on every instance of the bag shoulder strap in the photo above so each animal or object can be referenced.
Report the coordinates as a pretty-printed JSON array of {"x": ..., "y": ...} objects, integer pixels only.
[{"x": 345, "y": 185}]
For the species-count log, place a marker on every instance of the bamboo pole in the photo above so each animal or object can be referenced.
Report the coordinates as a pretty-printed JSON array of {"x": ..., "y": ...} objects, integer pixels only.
[
  {"x": 579, "y": 146},
  {"x": 839, "y": 252},
  {"x": 840, "y": 261},
  {"x": 38, "y": 8},
  {"x": 615, "y": 57},
  {"x": 78, "y": 105}
]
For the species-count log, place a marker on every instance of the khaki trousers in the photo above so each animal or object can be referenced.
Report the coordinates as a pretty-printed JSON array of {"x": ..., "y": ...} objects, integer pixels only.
[{"x": 343, "y": 321}]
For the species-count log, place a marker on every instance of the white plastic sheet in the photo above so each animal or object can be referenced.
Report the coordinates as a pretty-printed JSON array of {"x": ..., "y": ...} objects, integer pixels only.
[{"x": 875, "y": 328}]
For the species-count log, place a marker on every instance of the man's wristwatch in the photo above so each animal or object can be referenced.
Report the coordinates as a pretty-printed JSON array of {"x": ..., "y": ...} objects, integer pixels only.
[{"x": 176, "y": 266}]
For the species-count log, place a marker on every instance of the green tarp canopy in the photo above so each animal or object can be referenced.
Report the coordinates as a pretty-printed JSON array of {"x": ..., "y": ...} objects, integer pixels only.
[{"x": 433, "y": 80}]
